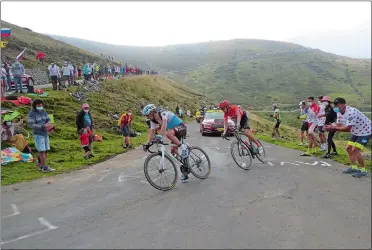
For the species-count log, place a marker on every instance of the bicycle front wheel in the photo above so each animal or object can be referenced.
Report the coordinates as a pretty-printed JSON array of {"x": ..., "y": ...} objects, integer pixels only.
[
  {"x": 199, "y": 163},
  {"x": 241, "y": 155},
  {"x": 161, "y": 179}
]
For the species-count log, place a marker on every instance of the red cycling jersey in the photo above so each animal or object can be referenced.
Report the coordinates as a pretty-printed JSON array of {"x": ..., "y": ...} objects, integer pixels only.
[{"x": 231, "y": 112}]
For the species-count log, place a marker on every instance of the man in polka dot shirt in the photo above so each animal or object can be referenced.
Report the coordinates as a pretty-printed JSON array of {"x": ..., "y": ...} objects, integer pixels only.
[{"x": 359, "y": 125}]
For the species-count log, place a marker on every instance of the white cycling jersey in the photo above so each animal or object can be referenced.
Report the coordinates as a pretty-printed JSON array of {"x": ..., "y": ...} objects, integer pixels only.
[{"x": 172, "y": 120}]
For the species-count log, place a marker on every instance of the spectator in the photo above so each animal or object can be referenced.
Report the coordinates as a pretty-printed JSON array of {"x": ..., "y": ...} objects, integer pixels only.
[
  {"x": 276, "y": 133},
  {"x": 84, "y": 120},
  {"x": 180, "y": 111},
  {"x": 321, "y": 121},
  {"x": 188, "y": 113},
  {"x": 125, "y": 123},
  {"x": 39, "y": 121},
  {"x": 8, "y": 134},
  {"x": 66, "y": 74},
  {"x": 86, "y": 71},
  {"x": 85, "y": 134},
  {"x": 54, "y": 72},
  {"x": 79, "y": 71},
  {"x": 7, "y": 75},
  {"x": 18, "y": 70},
  {"x": 360, "y": 127},
  {"x": 312, "y": 118},
  {"x": 3, "y": 82},
  {"x": 305, "y": 124},
  {"x": 177, "y": 111},
  {"x": 331, "y": 117}
]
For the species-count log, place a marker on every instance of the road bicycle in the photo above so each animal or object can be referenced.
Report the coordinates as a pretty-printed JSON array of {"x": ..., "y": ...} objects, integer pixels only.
[
  {"x": 193, "y": 163},
  {"x": 245, "y": 150}
]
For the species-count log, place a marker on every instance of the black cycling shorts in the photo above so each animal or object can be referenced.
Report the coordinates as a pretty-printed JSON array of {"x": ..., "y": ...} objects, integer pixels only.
[
  {"x": 305, "y": 126},
  {"x": 148, "y": 123},
  {"x": 180, "y": 131},
  {"x": 277, "y": 124},
  {"x": 244, "y": 122}
]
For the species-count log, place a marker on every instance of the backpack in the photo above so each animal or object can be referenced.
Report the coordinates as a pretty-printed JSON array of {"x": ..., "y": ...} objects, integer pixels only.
[{"x": 24, "y": 100}]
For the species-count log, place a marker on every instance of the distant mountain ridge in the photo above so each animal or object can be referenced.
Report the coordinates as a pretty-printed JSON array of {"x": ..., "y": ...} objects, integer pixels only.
[{"x": 250, "y": 71}]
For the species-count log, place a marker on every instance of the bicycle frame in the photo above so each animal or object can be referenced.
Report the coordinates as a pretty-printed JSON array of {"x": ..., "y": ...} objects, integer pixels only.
[
  {"x": 161, "y": 149},
  {"x": 239, "y": 139}
]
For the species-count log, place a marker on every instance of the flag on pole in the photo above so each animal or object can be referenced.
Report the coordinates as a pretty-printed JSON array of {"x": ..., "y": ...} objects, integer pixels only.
[
  {"x": 6, "y": 32},
  {"x": 21, "y": 55}
]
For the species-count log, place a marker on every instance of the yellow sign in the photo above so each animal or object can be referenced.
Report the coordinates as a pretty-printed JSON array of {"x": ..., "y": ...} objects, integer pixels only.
[{"x": 3, "y": 44}]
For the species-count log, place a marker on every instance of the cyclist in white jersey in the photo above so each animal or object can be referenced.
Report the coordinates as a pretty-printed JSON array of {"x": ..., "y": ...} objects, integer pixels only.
[{"x": 171, "y": 126}]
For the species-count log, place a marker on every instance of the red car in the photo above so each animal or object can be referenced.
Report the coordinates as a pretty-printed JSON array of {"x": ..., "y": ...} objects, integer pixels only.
[
  {"x": 213, "y": 122},
  {"x": 27, "y": 81}
]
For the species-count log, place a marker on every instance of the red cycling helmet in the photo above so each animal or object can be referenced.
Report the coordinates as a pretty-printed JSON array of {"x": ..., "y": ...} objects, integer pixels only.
[{"x": 223, "y": 104}]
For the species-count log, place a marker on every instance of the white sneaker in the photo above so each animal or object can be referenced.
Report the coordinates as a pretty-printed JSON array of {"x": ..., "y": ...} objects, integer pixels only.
[{"x": 260, "y": 150}]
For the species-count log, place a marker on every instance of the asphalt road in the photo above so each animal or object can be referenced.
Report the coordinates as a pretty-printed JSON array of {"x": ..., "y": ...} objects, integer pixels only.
[{"x": 280, "y": 204}]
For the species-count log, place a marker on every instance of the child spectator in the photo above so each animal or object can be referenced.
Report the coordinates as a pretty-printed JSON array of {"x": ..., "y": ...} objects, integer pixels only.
[{"x": 85, "y": 134}]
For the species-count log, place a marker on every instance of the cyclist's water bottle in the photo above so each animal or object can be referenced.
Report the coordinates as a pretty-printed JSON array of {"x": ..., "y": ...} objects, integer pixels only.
[{"x": 185, "y": 151}]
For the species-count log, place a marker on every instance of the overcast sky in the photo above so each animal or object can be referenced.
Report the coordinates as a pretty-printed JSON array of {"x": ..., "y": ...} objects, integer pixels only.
[{"x": 164, "y": 23}]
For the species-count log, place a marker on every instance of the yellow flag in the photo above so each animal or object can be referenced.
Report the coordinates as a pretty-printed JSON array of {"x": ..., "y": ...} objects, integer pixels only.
[{"x": 3, "y": 44}]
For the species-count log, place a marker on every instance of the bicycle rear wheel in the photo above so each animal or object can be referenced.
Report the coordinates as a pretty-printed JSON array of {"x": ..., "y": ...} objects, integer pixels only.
[
  {"x": 161, "y": 174},
  {"x": 195, "y": 162},
  {"x": 240, "y": 154}
]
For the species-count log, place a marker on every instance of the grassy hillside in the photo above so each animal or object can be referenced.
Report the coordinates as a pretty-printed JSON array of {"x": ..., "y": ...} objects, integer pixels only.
[
  {"x": 56, "y": 51},
  {"x": 66, "y": 153}
]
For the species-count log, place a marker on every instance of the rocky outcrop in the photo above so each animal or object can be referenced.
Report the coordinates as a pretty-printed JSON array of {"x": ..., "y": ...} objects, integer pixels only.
[{"x": 40, "y": 76}]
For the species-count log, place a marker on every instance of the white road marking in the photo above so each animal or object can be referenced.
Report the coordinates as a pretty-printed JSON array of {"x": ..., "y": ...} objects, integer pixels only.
[
  {"x": 315, "y": 162},
  {"x": 146, "y": 182},
  {"x": 25, "y": 236},
  {"x": 267, "y": 146},
  {"x": 217, "y": 148},
  {"x": 282, "y": 163},
  {"x": 47, "y": 223},
  {"x": 15, "y": 211},
  {"x": 123, "y": 177},
  {"x": 270, "y": 163},
  {"x": 42, "y": 221},
  {"x": 144, "y": 157},
  {"x": 325, "y": 164},
  {"x": 100, "y": 179}
]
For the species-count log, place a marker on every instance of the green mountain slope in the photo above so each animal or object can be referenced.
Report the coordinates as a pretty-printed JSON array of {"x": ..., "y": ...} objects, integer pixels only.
[
  {"x": 56, "y": 51},
  {"x": 252, "y": 72},
  {"x": 66, "y": 153}
]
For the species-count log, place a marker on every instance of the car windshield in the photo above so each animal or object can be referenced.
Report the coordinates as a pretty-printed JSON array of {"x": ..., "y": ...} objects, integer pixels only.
[{"x": 214, "y": 115}]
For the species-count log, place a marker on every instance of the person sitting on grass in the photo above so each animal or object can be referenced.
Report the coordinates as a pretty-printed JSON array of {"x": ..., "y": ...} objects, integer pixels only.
[
  {"x": 125, "y": 124},
  {"x": 39, "y": 121},
  {"x": 85, "y": 134},
  {"x": 8, "y": 134}
]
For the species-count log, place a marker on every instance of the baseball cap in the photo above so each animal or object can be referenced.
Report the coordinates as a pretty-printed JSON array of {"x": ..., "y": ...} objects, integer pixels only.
[
  {"x": 301, "y": 103},
  {"x": 339, "y": 100}
]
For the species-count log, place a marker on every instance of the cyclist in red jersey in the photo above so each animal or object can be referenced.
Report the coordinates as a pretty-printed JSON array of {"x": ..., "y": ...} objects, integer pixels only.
[{"x": 240, "y": 118}]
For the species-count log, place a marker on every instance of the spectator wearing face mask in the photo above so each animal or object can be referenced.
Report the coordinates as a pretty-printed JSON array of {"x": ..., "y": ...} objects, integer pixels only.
[
  {"x": 66, "y": 74},
  {"x": 39, "y": 121},
  {"x": 84, "y": 120},
  {"x": 330, "y": 118}
]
